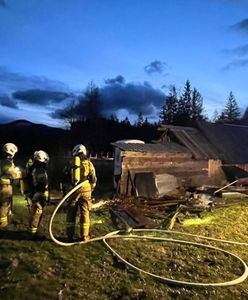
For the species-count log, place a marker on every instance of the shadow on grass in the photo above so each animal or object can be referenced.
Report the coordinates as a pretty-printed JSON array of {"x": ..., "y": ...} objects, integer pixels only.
[{"x": 20, "y": 235}]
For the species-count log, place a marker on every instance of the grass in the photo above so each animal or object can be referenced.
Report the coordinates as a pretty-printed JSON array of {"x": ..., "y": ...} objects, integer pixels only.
[{"x": 43, "y": 270}]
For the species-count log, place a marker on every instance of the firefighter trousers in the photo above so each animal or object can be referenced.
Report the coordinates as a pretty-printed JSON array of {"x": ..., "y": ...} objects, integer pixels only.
[
  {"x": 81, "y": 202},
  {"x": 38, "y": 204},
  {"x": 6, "y": 193}
]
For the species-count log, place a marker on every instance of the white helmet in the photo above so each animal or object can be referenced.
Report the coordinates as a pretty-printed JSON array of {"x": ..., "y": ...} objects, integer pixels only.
[
  {"x": 10, "y": 149},
  {"x": 41, "y": 156},
  {"x": 79, "y": 149}
]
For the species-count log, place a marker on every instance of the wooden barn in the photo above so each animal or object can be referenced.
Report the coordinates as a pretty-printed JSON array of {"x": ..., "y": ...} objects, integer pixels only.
[{"x": 182, "y": 157}]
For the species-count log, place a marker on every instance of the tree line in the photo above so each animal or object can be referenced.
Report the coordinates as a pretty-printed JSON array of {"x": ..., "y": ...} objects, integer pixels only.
[{"x": 183, "y": 109}]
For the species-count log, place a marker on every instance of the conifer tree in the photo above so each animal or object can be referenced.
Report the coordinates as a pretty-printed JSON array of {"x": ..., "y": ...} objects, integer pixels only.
[
  {"x": 196, "y": 106},
  {"x": 169, "y": 110},
  {"x": 231, "y": 112},
  {"x": 185, "y": 106},
  {"x": 140, "y": 120}
]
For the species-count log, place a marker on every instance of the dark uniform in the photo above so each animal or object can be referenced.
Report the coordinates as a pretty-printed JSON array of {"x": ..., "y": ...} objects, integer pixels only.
[{"x": 38, "y": 177}]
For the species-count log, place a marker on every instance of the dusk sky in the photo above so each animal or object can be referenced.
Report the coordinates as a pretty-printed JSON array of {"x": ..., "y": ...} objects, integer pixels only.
[{"x": 133, "y": 50}]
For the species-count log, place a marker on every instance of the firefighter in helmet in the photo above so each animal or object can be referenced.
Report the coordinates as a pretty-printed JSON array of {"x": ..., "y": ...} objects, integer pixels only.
[
  {"x": 8, "y": 172},
  {"x": 39, "y": 188},
  {"x": 82, "y": 170}
]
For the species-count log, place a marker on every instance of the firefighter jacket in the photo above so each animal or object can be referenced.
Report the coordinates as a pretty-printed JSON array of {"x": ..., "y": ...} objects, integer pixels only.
[
  {"x": 39, "y": 183},
  {"x": 87, "y": 173},
  {"x": 8, "y": 171}
]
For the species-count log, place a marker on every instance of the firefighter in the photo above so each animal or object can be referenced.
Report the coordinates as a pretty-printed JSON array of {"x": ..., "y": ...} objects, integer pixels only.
[
  {"x": 82, "y": 170},
  {"x": 38, "y": 188},
  {"x": 8, "y": 172}
]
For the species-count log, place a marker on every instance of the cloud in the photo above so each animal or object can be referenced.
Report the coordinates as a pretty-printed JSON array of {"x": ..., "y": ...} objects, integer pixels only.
[
  {"x": 241, "y": 26},
  {"x": 239, "y": 51},
  {"x": 3, "y": 3},
  {"x": 5, "y": 100},
  {"x": 132, "y": 97},
  {"x": 14, "y": 81},
  {"x": 156, "y": 67},
  {"x": 40, "y": 97},
  {"x": 238, "y": 63},
  {"x": 118, "y": 79}
]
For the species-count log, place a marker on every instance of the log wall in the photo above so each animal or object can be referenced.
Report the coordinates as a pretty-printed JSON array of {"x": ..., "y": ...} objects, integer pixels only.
[{"x": 189, "y": 171}]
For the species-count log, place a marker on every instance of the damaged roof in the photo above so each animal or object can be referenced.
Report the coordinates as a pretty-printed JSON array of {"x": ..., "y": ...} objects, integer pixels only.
[
  {"x": 191, "y": 138},
  {"x": 229, "y": 140},
  {"x": 226, "y": 142},
  {"x": 152, "y": 147}
]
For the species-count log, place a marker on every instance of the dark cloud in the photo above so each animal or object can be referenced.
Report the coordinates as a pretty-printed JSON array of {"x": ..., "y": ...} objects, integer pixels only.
[
  {"x": 133, "y": 97},
  {"x": 8, "y": 102},
  {"x": 14, "y": 81},
  {"x": 40, "y": 97},
  {"x": 3, "y": 3},
  {"x": 241, "y": 26},
  {"x": 118, "y": 79},
  {"x": 156, "y": 67},
  {"x": 238, "y": 63},
  {"x": 239, "y": 51}
]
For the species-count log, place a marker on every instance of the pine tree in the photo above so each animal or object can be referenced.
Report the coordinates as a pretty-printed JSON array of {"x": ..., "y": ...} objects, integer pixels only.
[
  {"x": 169, "y": 110},
  {"x": 185, "y": 106},
  {"x": 197, "y": 106},
  {"x": 140, "y": 120},
  {"x": 231, "y": 112}
]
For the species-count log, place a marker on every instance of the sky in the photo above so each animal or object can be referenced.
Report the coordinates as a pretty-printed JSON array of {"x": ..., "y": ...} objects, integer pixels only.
[{"x": 133, "y": 50}]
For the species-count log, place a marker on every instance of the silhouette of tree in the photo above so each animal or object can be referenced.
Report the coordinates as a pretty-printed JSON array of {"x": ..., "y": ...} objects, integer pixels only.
[
  {"x": 126, "y": 121},
  {"x": 196, "y": 106},
  {"x": 90, "y": 106},
  {"x": 185, "y": 106},
  {"x": 231, "y": 112},
  {"x": 169, "y": 110},
  {"x": 140, "y": 120}
]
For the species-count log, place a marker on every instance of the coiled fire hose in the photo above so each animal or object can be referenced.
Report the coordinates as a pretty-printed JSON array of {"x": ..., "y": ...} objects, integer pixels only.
[{"x": 121, "y": 234}]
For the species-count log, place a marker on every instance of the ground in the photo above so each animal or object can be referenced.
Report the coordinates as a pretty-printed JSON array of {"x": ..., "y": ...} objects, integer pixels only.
[{"x": 41, "y": 269}]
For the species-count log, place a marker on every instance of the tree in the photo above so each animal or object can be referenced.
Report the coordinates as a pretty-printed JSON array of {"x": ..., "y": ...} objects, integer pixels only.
[
  {"x": 140, "y": 120},
  {"x": 185, "y": 106},
  {"x": 169, "y": 110},
  {"x": 196, "y": 106},
  {"x": 231, "y": 112},
  {"x": 93, "y": 105},
  {"x": 126, "y": 122}
]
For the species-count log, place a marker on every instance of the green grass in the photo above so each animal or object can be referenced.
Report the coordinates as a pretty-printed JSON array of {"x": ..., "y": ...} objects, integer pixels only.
[{"x": 43, "y": 270}]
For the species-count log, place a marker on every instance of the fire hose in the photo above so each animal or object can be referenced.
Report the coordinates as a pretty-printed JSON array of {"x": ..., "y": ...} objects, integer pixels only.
[{"x": 123, "y": 234}]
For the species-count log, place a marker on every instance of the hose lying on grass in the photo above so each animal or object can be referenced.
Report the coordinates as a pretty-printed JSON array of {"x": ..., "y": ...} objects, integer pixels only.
[{"x": 123, "y": 234}]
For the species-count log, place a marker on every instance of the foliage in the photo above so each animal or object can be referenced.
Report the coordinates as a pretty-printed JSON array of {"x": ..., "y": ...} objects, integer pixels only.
[
  {"x": 184, "y": 110},
  {"x": 231, "y": 112}
]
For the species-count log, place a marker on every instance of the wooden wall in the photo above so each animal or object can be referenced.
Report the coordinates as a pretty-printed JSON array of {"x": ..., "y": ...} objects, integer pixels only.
[{"x": 191, "y": 172}]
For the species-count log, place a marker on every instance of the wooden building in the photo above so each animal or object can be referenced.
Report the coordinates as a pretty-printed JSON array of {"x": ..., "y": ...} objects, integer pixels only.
[{"x": 193, "y": 156}]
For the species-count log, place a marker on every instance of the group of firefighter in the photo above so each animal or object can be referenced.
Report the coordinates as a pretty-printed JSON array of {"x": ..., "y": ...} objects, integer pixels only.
[{"x": 34, "y": 184}]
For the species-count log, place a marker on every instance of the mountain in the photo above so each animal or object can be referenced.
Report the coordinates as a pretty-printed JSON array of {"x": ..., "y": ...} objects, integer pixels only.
[{"x": 30, "y": 137}]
